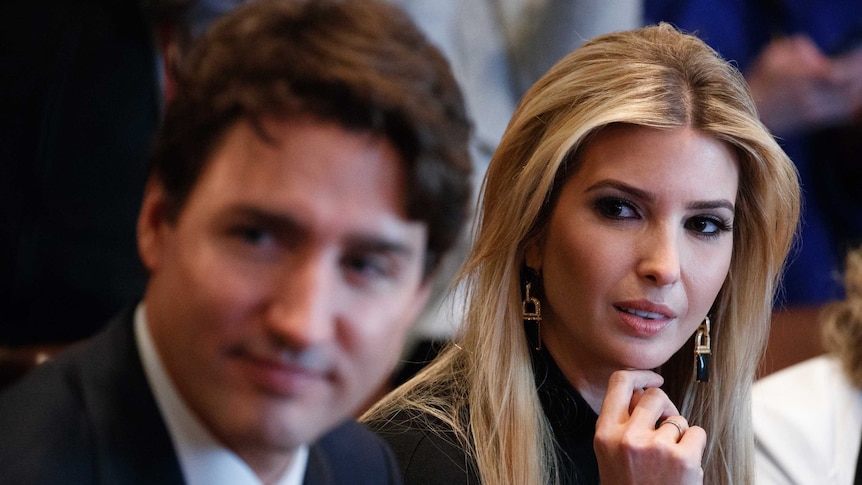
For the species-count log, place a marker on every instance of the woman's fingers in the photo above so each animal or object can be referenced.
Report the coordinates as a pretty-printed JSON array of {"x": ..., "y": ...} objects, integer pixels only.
[
  {"x": 641, "y": 437},
  {"x": 653, "y": 406},
  {"x": 672, "y": 428},
  {"x": 695, "y": 438},
  {"x": 624, "y": 391}
]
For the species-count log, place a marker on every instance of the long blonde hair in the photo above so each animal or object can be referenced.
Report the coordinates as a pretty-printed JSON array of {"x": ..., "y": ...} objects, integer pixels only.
[
  {"x": 482, "y": 386},
  {"x": 842, "y": 322}
]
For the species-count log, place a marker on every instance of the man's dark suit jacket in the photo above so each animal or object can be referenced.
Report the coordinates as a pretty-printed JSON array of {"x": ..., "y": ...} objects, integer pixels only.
[{"x": 89, "y": 416}]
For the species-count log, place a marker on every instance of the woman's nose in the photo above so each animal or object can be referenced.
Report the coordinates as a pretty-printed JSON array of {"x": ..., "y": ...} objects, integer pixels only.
[{"x": 659, "y": 258}]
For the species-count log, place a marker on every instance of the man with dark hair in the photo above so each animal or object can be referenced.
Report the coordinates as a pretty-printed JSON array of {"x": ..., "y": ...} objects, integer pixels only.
[{"x": 307, "y": 178}]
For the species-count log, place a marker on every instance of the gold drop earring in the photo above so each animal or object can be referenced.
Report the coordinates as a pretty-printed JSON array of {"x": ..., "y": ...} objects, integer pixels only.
[
  {"x": 531, "y": 307},
  {"x": 702, "y": 352}
]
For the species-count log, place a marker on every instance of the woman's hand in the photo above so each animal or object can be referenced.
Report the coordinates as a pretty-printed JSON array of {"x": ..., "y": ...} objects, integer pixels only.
[{"x": 629, "y": 447}]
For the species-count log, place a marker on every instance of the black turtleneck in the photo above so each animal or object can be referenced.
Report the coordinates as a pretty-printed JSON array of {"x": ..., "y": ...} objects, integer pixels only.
[{"x": 572, "y": 420}]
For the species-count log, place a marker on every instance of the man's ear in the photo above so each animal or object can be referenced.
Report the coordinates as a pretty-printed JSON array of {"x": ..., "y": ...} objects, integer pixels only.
[{"x": 152, "y": 224}]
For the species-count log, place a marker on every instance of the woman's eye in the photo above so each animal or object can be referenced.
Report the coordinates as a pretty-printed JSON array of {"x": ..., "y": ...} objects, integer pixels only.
[
  {"x": 616, "y": 208},
  {"x": 708, "y": 226}
]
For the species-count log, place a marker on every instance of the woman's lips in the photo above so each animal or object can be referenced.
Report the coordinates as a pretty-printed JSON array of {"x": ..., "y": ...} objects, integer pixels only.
[{"x": 644, "y": 319}]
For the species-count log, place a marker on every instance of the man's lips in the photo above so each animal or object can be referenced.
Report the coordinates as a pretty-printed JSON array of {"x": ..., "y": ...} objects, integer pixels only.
[{"x": 284, "y": 373}]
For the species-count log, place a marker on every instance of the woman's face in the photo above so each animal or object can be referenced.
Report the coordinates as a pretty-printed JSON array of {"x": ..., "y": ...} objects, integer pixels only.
[{"x": 637, "y": 248}]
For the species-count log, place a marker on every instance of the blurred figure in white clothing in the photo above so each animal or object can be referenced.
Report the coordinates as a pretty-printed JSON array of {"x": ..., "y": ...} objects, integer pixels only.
[{"x": 808, "y": 417}]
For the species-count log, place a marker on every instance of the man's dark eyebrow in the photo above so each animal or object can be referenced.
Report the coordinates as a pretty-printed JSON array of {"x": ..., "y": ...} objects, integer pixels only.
[
  {"x": 379, "y": 245},
  {"x": 285, "y": 225},
  {"x": 280, "y": 223},
  {"x": 649, "y": 196}
]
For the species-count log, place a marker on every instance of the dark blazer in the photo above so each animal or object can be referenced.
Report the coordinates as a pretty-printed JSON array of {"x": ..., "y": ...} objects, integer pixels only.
[{"x": 88, "y": 416}]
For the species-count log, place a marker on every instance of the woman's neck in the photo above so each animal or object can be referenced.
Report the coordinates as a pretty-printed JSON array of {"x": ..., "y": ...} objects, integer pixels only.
[{"x": 590, "y": 382}]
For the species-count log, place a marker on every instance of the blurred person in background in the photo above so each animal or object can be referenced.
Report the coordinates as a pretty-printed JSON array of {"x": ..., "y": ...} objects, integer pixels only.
[{"x": 808, "y": 417}]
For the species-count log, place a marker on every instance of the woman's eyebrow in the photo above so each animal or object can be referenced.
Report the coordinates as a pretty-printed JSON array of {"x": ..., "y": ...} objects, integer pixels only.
[
  {"x": 622, "y": 187},
  {"x": 712, "y": 204}
]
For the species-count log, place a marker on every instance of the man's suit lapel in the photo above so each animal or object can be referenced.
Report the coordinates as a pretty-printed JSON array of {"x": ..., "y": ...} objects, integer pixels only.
[
  {"x": 132, "y": 439},
  {"x": 317, "y": 470}
]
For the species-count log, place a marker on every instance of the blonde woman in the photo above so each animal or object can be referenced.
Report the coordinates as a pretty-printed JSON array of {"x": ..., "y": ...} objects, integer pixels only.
[
  {"x": 808, "y": 417},
  {"x": 635, "y": 219}
]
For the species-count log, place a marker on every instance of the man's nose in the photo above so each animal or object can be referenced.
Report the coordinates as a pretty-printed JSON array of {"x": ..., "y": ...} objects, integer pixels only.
[{"x": 301, "y": 312}]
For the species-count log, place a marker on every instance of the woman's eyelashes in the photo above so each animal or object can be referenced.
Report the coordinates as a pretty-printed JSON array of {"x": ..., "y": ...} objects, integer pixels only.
[
  {"x": 617, "y": 208},
  {"x": 709, "y": 226}
]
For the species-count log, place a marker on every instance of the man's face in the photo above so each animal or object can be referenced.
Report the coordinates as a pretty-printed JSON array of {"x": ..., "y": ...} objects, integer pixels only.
[{"x": 280, "y": 297}]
